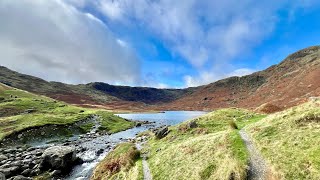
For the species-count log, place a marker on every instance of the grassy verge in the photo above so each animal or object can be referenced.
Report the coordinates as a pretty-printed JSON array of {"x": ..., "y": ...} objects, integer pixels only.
[
  {"x": 289, "y": 141},
  {"x": 122, "y": 163},
  {"x": 20, "y": 110}
]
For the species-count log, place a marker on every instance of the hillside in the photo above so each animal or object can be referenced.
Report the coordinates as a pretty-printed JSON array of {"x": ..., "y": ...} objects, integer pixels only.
[
  {"x": 289, "y": 141},
  {"x": 281, "y": 86},
  {"x": 287, "y": 84},
  {"x": 21, "y": 110},
  {"x": 96, "y": 94}
]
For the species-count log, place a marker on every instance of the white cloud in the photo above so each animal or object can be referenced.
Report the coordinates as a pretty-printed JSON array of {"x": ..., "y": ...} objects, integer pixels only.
[
  {"x": 54, "y": 40},
  {"x": 200, "y": 31},
  {"x": 207, "y": 77}
]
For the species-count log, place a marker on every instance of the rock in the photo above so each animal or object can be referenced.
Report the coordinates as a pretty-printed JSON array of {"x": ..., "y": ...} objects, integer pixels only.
[
  {"x": 2, "y": 176},
  {"x": 11, "y": 171},
  {"x": 161, "y": 133},
  {"x": 26, "y": 172},
  {"x": 58, "y": 158},
  {"x": 192, "y": 124},
  {"x": 100, "y": 151},
  {"x": 138, "y": 124},
  {"x": 3, "y": 157},
  {"x": 55, "y": 173},
  {"x": 20, "y": 177}
]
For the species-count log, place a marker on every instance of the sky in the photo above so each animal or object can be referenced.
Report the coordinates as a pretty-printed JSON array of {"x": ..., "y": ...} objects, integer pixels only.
[{"x": 154, "y": 43}]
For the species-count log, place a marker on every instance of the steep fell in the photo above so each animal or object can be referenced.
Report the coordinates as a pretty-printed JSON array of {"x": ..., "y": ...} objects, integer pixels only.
[{"x": 289, "y": 83}]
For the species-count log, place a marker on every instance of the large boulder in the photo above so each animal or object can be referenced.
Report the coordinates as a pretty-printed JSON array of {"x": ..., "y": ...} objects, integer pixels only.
[
  {"x": 58, "y": 158},
  {"x": 162, "y": 132}
]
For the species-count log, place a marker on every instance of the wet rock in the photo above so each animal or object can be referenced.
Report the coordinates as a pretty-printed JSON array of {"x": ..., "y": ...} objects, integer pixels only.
[
  {"x": 55, "y": 173},
  {"x": 59, "y": 158},
  {"x": 11, "y": 171},
  {"x": 2, "y": 176},
  {"x": 100, "y": 151},
  {"x": 3, "y": 157},
  {"x": 20, "y": 177},
  {"x": 162, "y": 132},
  {"x": 7, "y": 165},
  {"x": 26, "y": 172},
  {"x": 138, "y": 124},
  {"x": 35, "y": 172}
]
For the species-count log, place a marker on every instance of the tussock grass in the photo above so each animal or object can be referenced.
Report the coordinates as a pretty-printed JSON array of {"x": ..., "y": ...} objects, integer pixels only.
[
  {"x": 118, "y": 163},
  {"x": 289, "y": 141}
]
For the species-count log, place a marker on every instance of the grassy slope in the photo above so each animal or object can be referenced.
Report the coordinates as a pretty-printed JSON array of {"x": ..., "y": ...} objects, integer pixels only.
[
  {"x": 122, "y": 163},
  {"x": 289, "y": 141},
  {"x": 211, "y": 151},
  {"x": 13, "y": 117}
]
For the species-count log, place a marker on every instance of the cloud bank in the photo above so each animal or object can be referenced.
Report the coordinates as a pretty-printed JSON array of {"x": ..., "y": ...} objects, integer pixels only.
[{"x": 55, "y": 41}]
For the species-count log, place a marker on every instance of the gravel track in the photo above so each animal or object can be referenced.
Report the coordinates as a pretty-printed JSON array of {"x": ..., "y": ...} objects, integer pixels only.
[{"x": 257, "y": 165}]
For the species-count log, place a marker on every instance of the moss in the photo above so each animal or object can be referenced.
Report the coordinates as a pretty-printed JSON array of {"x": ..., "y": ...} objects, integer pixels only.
[{"x": 86, "y": 127}]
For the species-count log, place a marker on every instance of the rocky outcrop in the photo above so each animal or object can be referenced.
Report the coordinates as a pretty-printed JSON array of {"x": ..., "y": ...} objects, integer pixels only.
[
  {"x": 162, "y": 132},
  {"x": 22, "y": 162}
]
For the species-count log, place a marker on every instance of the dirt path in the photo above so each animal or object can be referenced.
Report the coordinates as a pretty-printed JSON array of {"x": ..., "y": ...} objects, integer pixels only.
[
  {"x": 146, "y": 170},
  {"x": 257, "y": 165}
]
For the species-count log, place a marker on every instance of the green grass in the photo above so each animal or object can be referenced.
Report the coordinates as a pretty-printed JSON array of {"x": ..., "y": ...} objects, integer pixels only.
[
  {"x": 45, "y": 111},
  {"x": 118, "y": 164},
  {"x": 112, "y": 123},
  {"x": 213, "y": 150},
  {"x": 289, "y": 141},
  {"x": 86, "y": 127}
]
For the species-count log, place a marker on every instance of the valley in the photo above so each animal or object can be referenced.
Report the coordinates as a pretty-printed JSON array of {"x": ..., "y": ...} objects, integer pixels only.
[{"x": 259, "y": 126}]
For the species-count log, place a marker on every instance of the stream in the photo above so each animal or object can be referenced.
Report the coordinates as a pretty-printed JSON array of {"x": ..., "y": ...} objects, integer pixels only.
[
  {"x": 92, "y": 147},
  {"x": 107, "y": 142}
]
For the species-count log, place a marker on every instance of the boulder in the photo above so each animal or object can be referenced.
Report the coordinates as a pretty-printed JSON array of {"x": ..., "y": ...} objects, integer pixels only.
[
  {"x": 162, "y": 132},
  {"x": 192, "y": 124},
  {"x": 58, "y": 158},
  {"x": 3, "y": 157}
]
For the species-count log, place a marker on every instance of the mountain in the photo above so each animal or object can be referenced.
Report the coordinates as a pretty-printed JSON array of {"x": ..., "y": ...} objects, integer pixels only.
[
  {"x": 284, "y": 85},
  {"x": 93, "y": 94},
  {"x": 289, "y": 83}
]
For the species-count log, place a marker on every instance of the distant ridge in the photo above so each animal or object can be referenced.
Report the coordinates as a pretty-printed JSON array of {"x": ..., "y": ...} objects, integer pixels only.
[{"x": 289, "y": 83}]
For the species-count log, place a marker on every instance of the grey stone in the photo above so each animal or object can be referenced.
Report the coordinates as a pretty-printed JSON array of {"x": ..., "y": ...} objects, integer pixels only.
[
  {"x": 3, "y": 157},
  {"x": 26, "y": 172},
  {"x": 192, "y": 124},
  {"x": 59, "y": 158},
  {"x": 2, "y": 176},
  {"x": 55, "y": 173},
  {"x": 11, "y": 171},
  {"x": 20, "y": 177},
  {"x": 161, "y": 133}
]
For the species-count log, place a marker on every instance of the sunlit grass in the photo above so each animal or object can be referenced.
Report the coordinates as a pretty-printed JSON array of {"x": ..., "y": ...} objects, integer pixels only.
[{"x": 289, "y": 141}]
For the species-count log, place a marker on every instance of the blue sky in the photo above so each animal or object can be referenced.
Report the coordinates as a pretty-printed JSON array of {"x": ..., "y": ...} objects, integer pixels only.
[{"x": 158, "y": 43}]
